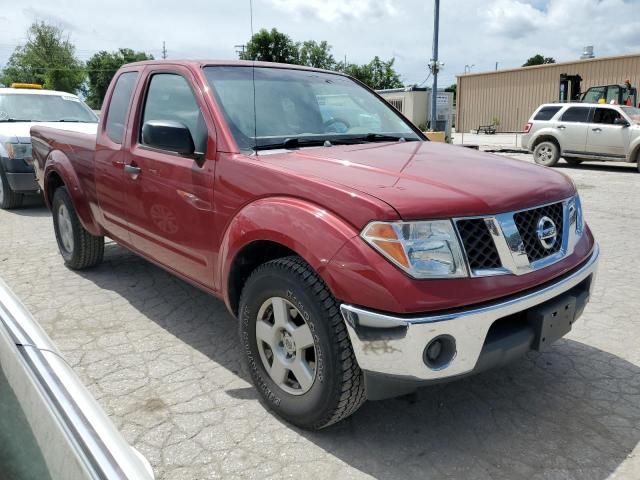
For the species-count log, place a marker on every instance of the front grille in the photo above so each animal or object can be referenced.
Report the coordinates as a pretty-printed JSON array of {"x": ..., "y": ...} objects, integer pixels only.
[
  {"x": 527, "y": 224},
  {"x": 479, "y": 246}
]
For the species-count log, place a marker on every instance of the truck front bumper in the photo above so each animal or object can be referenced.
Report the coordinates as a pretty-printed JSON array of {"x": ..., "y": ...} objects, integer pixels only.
[{"x": 397, "y": 354}]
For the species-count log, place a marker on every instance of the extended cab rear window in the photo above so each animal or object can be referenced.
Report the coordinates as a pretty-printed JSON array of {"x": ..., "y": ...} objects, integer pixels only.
[
  {"x": 547, "y": 113},
  {"x": 576, "y": 114},
  {"x": 119, "y": 106}
]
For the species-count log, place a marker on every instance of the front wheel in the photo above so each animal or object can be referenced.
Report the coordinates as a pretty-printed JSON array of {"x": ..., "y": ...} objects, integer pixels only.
[
  {"x": 296, "y": 346},
  {"x": 77, "y": 246},
  {"x": 546, "y": 153}
]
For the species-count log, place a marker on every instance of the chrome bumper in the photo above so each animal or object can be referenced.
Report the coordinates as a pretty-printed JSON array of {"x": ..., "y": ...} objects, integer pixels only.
[{"x": 392, "y": 345}]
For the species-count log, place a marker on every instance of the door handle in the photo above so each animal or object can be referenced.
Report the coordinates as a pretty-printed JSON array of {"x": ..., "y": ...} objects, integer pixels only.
[
  {"x": 597, "y": 129},
  {"x": 132, "y": 170},
  {"x": 561, "y": 127}
]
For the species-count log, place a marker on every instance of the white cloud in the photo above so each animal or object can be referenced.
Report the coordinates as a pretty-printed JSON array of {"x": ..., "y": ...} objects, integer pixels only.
[
  {"x": 336, "y": 10},
  {"x": 513, "y": 18},
  {"x": 504, "y": 31}
]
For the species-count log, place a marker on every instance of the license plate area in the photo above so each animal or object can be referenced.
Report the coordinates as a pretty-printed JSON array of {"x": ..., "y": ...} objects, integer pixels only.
[{"x": 553, "y": 320}]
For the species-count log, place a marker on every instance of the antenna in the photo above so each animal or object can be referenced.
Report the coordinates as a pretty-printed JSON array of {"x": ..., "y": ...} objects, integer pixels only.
[{"x": 253, "y": 74}]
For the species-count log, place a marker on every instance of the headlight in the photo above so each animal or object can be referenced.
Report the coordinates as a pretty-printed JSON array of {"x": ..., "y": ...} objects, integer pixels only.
[
  {"x": 422, "y": 249},
  {"x": 18, "y": 151},
  {"x": 576, "y": 216}
]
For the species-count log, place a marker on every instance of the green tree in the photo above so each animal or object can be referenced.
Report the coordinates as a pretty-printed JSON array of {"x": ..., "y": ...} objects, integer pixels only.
[
  {"x": 377, "y": 74},
  {"x": 271, "y": 46},
  {"x": 101, "y": 68},
  {"x": 314, "y": 54},
  {"x": 275, "y": 46},
  {"x": 538, "y": 60},
  {"x": 47, "y": 58}
]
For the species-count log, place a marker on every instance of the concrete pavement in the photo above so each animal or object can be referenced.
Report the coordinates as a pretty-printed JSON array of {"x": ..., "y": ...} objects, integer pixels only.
[{"x": 163, "y": 359}]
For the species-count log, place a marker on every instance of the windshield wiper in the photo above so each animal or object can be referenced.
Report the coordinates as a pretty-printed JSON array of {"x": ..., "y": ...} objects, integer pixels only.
[
  {"x": 380, "y": 137},
  {"x": 293, "y": 143},
  {"x": 12, "y": 120}
]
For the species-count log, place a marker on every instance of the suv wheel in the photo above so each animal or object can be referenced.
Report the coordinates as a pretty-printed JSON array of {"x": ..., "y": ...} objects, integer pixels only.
[
  {"x": 296, "y": 346},
  {"x": 573, "y": 161},
  {"x": 8, "y": 198},
  {"x": 78, "y": 247},
  {"x": 546, "y": 153}
]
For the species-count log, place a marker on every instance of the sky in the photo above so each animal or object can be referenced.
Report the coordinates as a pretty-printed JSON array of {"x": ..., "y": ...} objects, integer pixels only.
[{"x": 472, "y": 33}]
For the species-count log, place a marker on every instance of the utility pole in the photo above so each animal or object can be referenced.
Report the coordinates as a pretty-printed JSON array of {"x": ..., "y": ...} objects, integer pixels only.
[
  {"x": 239, "y": 50},
  {"x": 164, "y": 50},
  {"x": 435, "y": 65}
]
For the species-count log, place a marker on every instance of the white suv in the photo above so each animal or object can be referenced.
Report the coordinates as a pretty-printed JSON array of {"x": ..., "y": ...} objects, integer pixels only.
[{"x": 583, "y": 131}]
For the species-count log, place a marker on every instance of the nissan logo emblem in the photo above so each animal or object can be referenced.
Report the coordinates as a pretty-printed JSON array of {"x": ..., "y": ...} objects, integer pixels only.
[{"x": 547, "y": 232}]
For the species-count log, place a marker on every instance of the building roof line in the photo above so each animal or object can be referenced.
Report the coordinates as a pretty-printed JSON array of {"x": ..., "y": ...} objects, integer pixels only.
[{"x": 547, "y": 65}]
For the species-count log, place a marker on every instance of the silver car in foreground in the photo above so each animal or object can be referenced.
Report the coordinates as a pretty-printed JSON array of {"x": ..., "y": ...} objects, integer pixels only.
[
  {"x": 50, "y": 425},
  {"x": 581, "y": 132}
]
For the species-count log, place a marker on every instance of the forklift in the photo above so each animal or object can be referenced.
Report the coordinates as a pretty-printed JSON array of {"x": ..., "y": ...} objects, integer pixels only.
[{"x": 570, "y": 91}]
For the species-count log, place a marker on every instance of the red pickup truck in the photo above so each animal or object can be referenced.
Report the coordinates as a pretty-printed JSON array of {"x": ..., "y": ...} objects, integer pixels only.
[{"x": 360, "y": 259}]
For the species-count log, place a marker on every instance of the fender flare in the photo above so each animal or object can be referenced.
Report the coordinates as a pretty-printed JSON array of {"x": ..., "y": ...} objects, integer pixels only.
[
  {"x": 58, "y": 163},
  {"x": 309, "y": 230}
]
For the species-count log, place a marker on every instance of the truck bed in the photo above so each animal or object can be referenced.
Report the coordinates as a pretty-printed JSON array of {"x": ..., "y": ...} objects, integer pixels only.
[{"x": 77, "y": 141}]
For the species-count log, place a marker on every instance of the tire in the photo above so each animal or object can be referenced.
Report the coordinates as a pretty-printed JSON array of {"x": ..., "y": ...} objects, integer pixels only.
[
  {"x": 78, "y": 247},
  {"x": 546, "y": 153},
  {"x": 334, "y": 386},
  {"x": 573, "y": 161},
  {"x": 8, "y": 198}
]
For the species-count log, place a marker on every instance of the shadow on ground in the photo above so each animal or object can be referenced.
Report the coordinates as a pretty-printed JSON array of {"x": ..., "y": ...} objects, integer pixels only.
[
  {"x": 32, "y": 207},
  {"x": 601, "y": 167},
  {"x": 573, "y": 412}
]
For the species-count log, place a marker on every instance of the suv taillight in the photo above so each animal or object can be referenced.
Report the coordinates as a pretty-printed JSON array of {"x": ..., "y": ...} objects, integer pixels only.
[{"x": 527, "y": 127}]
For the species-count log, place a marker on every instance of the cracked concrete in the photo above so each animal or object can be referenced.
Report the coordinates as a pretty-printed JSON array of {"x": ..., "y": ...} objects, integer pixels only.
[{"x": 163, "y": 360}]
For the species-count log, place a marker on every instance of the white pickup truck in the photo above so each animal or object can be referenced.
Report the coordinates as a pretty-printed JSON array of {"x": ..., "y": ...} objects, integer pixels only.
[{"x": 20, "y": 109}]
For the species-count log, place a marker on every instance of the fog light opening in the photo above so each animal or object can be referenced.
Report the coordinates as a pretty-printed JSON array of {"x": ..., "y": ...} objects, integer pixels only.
[{"x": 439, "y": 352}]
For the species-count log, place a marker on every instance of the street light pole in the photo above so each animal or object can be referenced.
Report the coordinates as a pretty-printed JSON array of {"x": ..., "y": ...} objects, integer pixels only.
[{"x": 435, "y": 66}]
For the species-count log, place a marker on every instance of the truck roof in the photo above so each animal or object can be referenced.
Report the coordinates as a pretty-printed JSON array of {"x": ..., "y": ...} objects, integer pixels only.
[
  {"x": 29, "y": 91},
  {"x": 236, "y": 63}
]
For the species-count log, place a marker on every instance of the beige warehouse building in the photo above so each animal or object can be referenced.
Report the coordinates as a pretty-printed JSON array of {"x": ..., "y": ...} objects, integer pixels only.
[{"x": 511, "y": 96}]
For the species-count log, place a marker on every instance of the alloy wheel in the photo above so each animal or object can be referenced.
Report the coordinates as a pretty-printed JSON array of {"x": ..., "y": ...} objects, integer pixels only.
[
  {"x": 65, "y": 228},
  {"x": 286, "y": 346}
]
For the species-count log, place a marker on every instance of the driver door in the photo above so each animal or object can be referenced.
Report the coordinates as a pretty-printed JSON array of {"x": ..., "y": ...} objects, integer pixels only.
[{"x": 170, "y": 195}]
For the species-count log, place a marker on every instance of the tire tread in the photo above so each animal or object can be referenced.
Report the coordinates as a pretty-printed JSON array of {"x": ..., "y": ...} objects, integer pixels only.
[
  {"x": 90, "y": 248},
  {"x": 352, "y": 390}
]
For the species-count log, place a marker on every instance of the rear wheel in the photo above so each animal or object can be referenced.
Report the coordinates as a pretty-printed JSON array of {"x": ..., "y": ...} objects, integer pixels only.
[
  {"x": 8, "y": 198},
  {"x": 546, "y": 153},
  {"x": 296, "y": 345},
  {"x": 77, "y": 246},
  {"x": 573, "y": 161}
]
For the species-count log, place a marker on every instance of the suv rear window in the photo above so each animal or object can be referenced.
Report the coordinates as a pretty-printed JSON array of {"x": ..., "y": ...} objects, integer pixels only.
[
  {"x": 576, "y": 114},
  {"x": 546, "y": 113}
]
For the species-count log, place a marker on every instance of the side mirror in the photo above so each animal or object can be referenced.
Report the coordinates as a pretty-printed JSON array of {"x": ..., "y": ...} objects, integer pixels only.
[
  {"x": 168, "y": 135},
  {"x": 621, "y": 121}
]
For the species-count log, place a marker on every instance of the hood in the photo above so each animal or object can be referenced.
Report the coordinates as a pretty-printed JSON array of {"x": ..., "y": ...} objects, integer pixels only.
[
  {"x": 20, "y": 131},
  {"x": 423, "y": 180}
]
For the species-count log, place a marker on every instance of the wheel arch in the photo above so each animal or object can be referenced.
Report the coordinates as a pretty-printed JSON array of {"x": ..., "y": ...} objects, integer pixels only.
[
  {"x": 59, "y": 172},
  {"x": 271, "y": 228},
  {"x": 546, "y": 137}
]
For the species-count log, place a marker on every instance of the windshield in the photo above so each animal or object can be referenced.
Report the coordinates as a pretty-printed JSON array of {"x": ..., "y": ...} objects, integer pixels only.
[
  {"x": 633, "y": 113},
  {"x": 44, "y": 108},
  {"x": 298, "y": 107}
]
